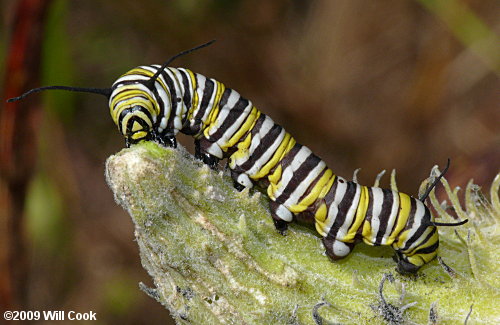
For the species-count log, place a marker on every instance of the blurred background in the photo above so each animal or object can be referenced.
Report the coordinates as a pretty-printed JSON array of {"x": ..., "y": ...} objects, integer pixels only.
[{"x": 371, "y": 84}]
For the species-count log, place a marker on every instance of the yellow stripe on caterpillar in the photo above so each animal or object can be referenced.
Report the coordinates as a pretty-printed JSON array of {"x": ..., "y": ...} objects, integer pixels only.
[
  {"x": 195, "y": 100},
  {"x": 360, "y": 215},
  {"x": 212, "y": 120},
  {"x": 314, "y": 194},
  {"x": 241, "y": 152},
  {"x": 404, "y": 211},
  {"x": 278, "y": 154},
  {"x": 250, "y": 121}
]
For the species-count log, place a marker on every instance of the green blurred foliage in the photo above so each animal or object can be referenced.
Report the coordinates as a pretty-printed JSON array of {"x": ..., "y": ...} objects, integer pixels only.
[
  {"x": 57, "y": 64},
  {"x": 119, "y": 294},
  {"x": 47, "y": 227},
  {"x": 469, "y": 29}
]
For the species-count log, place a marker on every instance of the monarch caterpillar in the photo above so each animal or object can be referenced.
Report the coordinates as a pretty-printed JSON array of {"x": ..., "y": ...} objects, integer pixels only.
[{"x": 156, "y": 102}]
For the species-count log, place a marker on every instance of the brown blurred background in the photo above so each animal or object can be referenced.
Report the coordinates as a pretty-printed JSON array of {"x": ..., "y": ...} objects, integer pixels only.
[{"x": 385, "y": 84}]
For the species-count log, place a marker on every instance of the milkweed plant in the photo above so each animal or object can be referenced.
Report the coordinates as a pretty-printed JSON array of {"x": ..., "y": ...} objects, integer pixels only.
[{"x": 215, "y": 257}]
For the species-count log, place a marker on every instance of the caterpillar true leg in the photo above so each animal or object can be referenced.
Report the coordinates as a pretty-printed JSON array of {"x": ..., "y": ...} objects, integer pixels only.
[
  {"x": 170, "y": 141},
  {"x": 281, "y": 216},
  {"x": 201, "y": 154},
  {"x": 164, "y": 140}
]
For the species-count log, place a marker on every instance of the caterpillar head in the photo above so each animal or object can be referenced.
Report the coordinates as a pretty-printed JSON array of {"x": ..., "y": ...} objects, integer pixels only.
[
  {"x": 133, "y": 110},
  {"x": 135, "y": 118},
  {"x": 136, "y": 124}
]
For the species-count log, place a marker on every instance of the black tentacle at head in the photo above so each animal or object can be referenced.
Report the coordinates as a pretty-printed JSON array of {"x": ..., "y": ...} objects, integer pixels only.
[
  {"x": 100, "y": 91},
  {"x": 107, "y": 91},
  {"x": 151, "y": 81}
]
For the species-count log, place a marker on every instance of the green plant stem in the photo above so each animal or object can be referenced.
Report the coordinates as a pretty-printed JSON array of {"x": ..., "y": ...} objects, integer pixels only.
[{"x": 215, "y": 257}]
